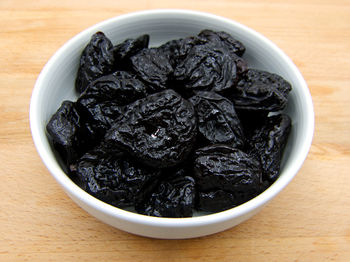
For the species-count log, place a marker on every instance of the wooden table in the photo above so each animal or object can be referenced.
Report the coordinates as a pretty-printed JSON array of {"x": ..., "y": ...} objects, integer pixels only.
[{"x": 308, "y": 221}]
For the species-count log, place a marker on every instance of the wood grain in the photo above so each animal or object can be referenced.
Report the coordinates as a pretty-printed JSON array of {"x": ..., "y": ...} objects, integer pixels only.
[{"x": 308, "y": 221}]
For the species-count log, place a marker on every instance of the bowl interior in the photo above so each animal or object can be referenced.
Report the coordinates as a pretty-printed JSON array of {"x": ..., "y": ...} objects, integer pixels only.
[{"x": 56, "y": 83}]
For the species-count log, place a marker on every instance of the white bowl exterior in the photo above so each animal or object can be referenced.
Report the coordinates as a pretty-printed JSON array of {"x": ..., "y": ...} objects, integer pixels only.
[{"x": 56, "y": 83}]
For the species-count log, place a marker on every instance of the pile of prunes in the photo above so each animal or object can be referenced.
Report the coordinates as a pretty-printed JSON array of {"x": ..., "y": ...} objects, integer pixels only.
[{"x": 169, "y": 130}]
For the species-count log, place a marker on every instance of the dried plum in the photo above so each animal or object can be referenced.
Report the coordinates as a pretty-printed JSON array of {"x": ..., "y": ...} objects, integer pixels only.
[
  {"x": 153, "y": 66},
  {"x": 206, "y": 67},
  {"x": 159, "y": 130},
  {"x": 171, "y": 50},
  {"x": 121, "y": 91},
  {"x": 100, "y": 115},
  {"x": 172, "y": 129},
  {"x": 268, "y": 142},
  {"x": 224, "y": 167},
  {"x": 115, "y": 179},
  {"x": 179, "y": 48},
  {"x": 260, "y": 91},
  {"x": 221, "y": 167},
  {"x": 121, "y": 74},
  {"x": 217, "y": 119},
  {"x": 215, "y": 201},
  {"x": 97, "y": 59},
  {"x": 223, "y": 38},
  {"x": 173, "y": 197},
  {"x": 128, "y": 48},
  {"x": 182, "y": 47},
  {"x": 209, "y": 61},
  {"x": 70, "y": 135},
  {"x": 103, "y": 99}
]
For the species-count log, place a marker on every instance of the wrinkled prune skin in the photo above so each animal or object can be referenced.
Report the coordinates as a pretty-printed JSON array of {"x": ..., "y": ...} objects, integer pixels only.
[
  {"x": 223, "y": 38},
  {"x": 209, "y": 61},
  {"x": 121, "y": 74},
  {"x": 182, "y": 47},
  {"x": 221, "y": 167},
  {"x": 241, "y": 64},
  {"x": 267, "y": 145},
  {"x": 215, "y": 164},
  {"x": 70, "y": 135},
  {"x": 215, "y": 201},
  {"x": 217, "y": 119},
  {"x": 173, "y": 197},
  {"x": 179, "y": 48},
  {"x": 97, "y": 59},
  {"x": 115, "y": 178},
  {"x": 103, "y": 99},
  {"x": 100, "y": 115},
  {"x": 260, "y": 91},
  {"x": 159, "y": 129},
  {"x": 206, "y": 67},
  {"x": 153, "y": 66},
  {"x": 128, "y": 48},
  {"x": 114, "y": 88},
  {"x": 171, "y": 50}
]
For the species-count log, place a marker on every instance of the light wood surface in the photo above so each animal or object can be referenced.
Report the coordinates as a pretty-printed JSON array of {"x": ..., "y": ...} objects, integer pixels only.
[{"x": 308, "y": 221}]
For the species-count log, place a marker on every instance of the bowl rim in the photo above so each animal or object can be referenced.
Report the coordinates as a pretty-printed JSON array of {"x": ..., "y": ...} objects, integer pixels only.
[{"x": 72, "y": 189}]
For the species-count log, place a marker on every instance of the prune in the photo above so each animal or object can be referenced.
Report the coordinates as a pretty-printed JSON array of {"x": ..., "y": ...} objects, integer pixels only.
[
  {"x": 103, "y": 99},
  {"x": 260, "y": 91},
  {"x": 159, "y": 129},
  {"x": 128, "y": 48},
  {"x": 174, "y": 197},
  {"x": 172, "y": 129},
  {"x": 207, "y": 67},
  {"x": 70, "y": 135},
  {"x": 225, "y": 39},
  {"x": 115, "y": 179},
  {"x": 267, "y": 144},
  {"x": 215, "y": 201},
  {"x": 97, "y": 59},
  {"x": 209, "y": 61},
  {"x": 100, "y": 115},
  {"x": 153, "y": 66},
  {"x": 180, "y": 48},
  {"x": 121, "y": 74},
  {"x": 221, "y": 167},
  {"x": 171, "y": 50},
  {"x": 217, "y": 119},
  {"x": 121, "y": 91}
]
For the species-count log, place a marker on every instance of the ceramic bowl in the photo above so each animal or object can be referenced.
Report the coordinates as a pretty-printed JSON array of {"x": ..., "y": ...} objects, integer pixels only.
[{"x": 56, "y": 83}]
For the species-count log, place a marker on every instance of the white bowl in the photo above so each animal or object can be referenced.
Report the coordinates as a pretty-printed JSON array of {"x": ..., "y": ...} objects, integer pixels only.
[{"x": 56, "y": 83}]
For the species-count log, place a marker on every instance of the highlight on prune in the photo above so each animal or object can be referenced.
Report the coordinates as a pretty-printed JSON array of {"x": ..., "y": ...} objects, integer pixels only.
[
  {"x": 173, "y": 130},
  {"x": 103, "y": 99},
  {"x": 260, "y": 91},
  {"x": 130, "y": 47},
  {"x": 70, "y": 135},
  {"x": 217, "y": 119},
  {"x": 96, "y": 60},
  {"x": 210, "y": 61},
  {"x": 159, "y": 129},
  {"x": 267, "y": 144},
  {"x": 223, "y": 38},
  {"x": 154, "y": 67},
  {"x": 229, "y": 170},
  {"x": 206, "y": 67},
  {"x": 115, "y": 179},
  {"x": 173, "y": 197}
]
